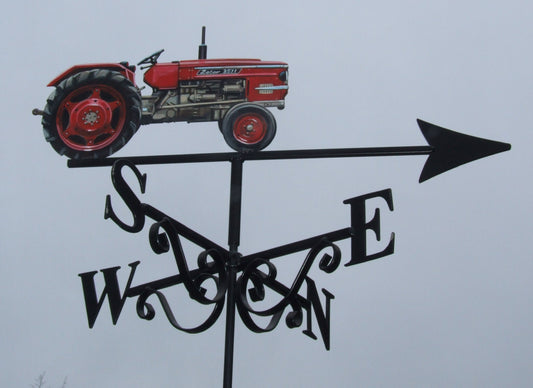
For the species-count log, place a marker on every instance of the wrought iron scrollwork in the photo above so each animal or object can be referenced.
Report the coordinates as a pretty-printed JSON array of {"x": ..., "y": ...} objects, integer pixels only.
[
  {"x": 242, "y": 280},
  {"x": 146, "y": 311},
  {"x": 252, "y": 283},
  {"x": 207, "y": 270},
  {"x": 160, "y": 244}
]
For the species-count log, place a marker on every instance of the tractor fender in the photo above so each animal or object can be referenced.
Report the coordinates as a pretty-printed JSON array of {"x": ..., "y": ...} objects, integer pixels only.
[{"x": 122, "y": 68}]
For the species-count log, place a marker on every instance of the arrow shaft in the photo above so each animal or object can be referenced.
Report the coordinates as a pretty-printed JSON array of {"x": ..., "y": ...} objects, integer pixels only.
[
  {"x": 446, "y": 149},
  {"x": 263, "y": 155},
  {"x": 341, "y": 153}
]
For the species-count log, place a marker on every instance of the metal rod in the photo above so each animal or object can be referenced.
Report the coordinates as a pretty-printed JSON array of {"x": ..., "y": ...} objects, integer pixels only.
[
  {"x": 230, "y": 330},
  {"x": 234, "y": 227},
  {"x": 183, "y": 230},
  {"x": 234, "y": 232},
  {"x": 298, "y": 246},
  {"x": 263, "y": 155}
]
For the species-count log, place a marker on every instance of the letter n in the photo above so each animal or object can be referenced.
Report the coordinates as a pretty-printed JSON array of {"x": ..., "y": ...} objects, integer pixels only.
[
  {"x": 111, "y": 289},
  {"x": 321, "y": 317}
]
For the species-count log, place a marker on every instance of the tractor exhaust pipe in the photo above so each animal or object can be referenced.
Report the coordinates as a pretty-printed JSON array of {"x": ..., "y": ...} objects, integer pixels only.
[{"x": 202, "y": 49}]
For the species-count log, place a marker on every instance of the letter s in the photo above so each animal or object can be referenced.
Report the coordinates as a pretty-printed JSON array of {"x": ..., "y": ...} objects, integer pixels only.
[{"x": 127, "y": 195}]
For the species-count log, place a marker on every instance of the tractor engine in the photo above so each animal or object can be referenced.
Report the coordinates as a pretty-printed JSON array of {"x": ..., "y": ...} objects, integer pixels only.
[{"x": 193, "y": 100}]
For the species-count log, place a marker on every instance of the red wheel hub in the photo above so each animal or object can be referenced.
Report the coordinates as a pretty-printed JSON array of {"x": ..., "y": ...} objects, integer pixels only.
[
  {"x": 91, "y": 117},
  {"x": 250, "y": 128}
]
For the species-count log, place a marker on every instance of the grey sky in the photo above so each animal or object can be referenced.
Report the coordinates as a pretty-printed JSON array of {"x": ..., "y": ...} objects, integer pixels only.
[{"x": 452, "y": 307}]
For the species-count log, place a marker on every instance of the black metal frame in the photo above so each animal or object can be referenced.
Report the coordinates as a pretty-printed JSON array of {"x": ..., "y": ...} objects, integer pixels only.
[{"x": 446, "y": 150}]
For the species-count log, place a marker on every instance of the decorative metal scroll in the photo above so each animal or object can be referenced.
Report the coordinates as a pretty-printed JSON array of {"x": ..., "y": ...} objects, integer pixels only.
[{"x": 165, "y": 235}]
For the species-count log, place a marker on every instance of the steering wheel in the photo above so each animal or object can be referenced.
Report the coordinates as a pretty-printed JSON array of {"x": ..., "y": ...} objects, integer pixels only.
[{"x": 151, "y": 59}]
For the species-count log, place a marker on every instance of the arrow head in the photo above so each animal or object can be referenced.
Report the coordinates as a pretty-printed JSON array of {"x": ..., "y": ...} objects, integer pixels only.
[{"x": 452, "y": 149}]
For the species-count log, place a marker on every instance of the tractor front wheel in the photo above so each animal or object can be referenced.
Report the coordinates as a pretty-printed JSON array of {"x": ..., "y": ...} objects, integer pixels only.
[{"x": 248, "y": 127}]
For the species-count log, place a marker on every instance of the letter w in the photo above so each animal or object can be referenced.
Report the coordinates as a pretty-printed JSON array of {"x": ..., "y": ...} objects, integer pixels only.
[{"x": 111, "y": 289}]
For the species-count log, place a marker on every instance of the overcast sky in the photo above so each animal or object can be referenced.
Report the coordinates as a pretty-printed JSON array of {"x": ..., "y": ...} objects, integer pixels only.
[{"x": 452, "y": 307}]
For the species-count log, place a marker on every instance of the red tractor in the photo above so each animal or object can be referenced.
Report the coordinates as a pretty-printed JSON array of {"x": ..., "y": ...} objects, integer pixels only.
[{"x": 95, "y": 109}]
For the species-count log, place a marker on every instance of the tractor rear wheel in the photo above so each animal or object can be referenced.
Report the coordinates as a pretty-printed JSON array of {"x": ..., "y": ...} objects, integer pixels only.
[
  {"x": 248, "y": 127},
  {"x": 92, "y": 114}
]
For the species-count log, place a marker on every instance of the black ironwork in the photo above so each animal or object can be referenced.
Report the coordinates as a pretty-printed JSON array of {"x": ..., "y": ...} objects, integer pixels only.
[{"x": 242, "y": 281}]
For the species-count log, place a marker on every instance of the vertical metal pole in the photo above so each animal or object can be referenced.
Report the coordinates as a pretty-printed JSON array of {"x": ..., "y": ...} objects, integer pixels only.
[{"x": 234, "y": 233}]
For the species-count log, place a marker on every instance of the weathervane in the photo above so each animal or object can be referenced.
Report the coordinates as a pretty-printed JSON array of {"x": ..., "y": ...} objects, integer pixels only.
[{"x": 95, "y": 109}]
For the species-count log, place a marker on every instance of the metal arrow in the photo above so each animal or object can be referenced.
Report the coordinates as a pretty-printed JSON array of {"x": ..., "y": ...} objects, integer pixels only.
[
  {"x": 452, "y": 149},
  {"x": 446, "y": 149}
]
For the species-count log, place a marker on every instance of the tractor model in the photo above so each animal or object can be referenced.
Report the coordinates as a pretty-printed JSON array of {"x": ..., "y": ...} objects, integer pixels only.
[{"x": 95, "y": 109}]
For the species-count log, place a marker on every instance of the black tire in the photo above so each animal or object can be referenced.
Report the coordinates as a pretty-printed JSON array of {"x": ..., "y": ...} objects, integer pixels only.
[
  {"x": 92, "y": 114},
  {"x": 248, "y": 127}
]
